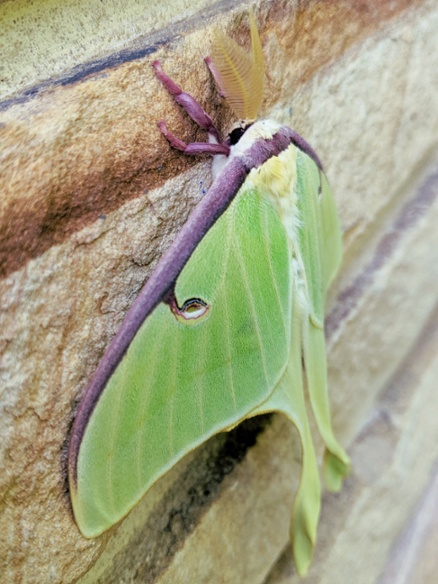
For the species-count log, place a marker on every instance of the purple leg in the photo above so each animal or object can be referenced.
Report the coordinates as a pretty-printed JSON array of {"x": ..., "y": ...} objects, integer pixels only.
[
  {"x": 215, "y": 73},
  {"x": 193, "y": 147},
  {"x": 197, "y": 114}
]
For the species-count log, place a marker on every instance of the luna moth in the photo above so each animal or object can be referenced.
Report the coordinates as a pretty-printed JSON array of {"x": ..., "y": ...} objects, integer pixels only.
[{"x": 220, "y": 330}]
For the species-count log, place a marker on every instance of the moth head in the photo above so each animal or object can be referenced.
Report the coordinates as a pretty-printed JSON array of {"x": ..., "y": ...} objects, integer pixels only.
[
  {"x": 239, "y": 75},
  {"x": 237, "y": 130}
]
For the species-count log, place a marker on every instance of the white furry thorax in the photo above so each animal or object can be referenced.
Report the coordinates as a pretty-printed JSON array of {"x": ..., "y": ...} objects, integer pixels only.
[
  {"x": 276, "y": 178},
  {"x": 263, "y": 129}
]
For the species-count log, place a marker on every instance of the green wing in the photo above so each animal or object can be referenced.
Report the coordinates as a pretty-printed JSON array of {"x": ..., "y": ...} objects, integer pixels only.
[
  {"x": 249, "y": 305},
  {"x": 318, "y": 250},
  {"x": 288, "y": 398},
  {"x": 182, "y": 381},
  {"x": 320, "y": 244}
]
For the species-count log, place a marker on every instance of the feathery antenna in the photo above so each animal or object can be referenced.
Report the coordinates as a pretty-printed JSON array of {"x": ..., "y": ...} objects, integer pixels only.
[{"x": 239, "y": 74}]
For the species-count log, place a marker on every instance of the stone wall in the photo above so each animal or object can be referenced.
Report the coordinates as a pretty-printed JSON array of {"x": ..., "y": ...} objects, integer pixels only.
[{"x": 92, "y": 195}]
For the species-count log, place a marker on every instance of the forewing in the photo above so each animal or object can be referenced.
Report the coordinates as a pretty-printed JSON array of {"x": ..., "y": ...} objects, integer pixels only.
[{"x": 182, "y": 381}]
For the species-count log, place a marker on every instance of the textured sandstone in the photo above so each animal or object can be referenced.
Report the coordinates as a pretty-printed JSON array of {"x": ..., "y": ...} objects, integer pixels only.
[{"x": 92, "y": 195}]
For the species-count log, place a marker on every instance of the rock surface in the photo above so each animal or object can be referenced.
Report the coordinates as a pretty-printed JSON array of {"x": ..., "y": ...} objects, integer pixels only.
[{"x": 92, "y": 195}]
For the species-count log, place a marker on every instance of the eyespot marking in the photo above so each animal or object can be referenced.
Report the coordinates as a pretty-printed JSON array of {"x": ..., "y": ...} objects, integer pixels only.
[{"x": 192, "y": 311}]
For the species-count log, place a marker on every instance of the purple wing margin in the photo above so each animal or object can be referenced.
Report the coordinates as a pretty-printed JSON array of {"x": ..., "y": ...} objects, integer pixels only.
[{"x": 163, "y": 279}]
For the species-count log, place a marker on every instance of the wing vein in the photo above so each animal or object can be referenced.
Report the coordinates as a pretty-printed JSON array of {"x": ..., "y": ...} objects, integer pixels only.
[
  {"x": 253, "y": 310},
  {"x": 273, "y": 278},
  {"x": 143, "y": 406},
  {"x": 172, "y": 392},
  {"x": 227, "y": 322}
]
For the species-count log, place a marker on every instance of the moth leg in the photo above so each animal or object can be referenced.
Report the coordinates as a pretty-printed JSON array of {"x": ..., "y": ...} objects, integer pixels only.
[
  {"x": 194, "y": 147},
  {"x": 213, "y": 70},
  {"x": 198, "y": 115}
]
